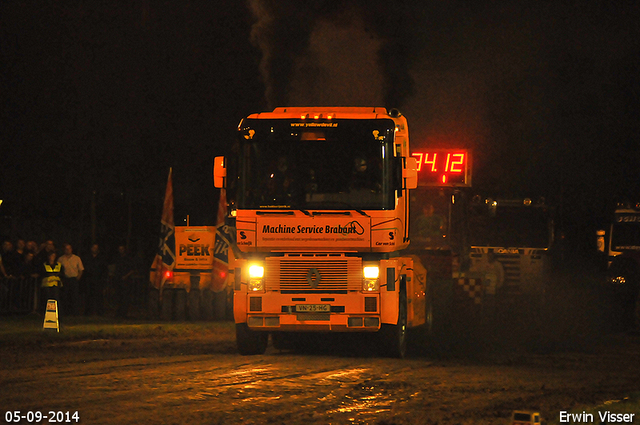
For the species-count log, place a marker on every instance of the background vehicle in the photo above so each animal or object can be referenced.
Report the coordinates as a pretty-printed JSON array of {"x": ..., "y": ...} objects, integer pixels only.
[
  {"x": 320, "y": 201},
  {"x": 519, "y": 233},
  {"x": 621, "y": 245},
  {"x": 191, "y": 290}
]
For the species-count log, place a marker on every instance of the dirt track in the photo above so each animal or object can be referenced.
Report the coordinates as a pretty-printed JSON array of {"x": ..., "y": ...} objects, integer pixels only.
[
  {"x": 194, "y": 378},
  {"x": 161, "y": 373}
]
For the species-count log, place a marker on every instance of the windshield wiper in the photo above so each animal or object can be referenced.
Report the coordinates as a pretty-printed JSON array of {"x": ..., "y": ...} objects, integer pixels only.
[
  {"x": 346, "y": 204},
  {"x": 281, "y": 212}
]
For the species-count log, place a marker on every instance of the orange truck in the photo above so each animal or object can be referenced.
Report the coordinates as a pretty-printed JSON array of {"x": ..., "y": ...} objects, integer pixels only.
[
  {"x": 189, "y": 290},
  {"x": 319, "y": 198}
]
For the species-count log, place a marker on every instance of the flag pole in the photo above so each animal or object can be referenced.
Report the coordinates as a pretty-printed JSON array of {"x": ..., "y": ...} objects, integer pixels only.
[{"x": 165, "y": 257}]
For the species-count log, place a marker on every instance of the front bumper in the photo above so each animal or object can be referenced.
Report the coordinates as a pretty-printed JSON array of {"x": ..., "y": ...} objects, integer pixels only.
[{"x": 309, "y": 312}]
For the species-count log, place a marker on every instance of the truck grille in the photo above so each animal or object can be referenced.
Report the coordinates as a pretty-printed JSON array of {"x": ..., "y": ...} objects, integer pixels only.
[
  {"x": 313, "y": 273},
  {"x": 512, "y": 269}
]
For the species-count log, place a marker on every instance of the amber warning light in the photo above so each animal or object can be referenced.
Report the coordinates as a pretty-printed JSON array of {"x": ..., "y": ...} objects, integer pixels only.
[{"x": 443, "y": 167}]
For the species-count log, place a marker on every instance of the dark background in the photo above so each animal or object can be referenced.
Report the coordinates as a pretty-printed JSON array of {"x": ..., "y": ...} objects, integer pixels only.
[{"x": 99, "y": 99}]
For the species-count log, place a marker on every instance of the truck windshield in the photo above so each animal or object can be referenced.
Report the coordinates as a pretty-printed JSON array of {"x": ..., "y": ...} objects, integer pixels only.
[
  {"x": 625, "y": 236},
  {"x": 515, "y": 227},
  {"x": 332, "y": 165}
]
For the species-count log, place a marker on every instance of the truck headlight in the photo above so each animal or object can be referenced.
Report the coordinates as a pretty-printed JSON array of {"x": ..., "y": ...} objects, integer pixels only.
[
  {"x": 256, "y": 278},
  {"x": 371, "y": 282}
]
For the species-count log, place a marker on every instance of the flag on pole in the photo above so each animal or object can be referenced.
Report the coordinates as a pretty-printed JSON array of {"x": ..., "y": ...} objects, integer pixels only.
[
  {"x": 165, "y": 258},
  {"x": 221, "y": 247}
]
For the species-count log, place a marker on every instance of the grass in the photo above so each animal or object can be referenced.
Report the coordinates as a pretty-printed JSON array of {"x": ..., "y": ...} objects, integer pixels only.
[{"x": 17, "y": 330}]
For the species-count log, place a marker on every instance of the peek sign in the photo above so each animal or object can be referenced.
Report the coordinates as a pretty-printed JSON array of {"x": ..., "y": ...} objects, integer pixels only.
[{"x": 194, "y": 246}]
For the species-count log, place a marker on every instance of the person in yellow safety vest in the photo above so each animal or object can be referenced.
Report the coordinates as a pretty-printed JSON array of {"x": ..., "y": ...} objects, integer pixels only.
[{"x": 51, "y": 272}]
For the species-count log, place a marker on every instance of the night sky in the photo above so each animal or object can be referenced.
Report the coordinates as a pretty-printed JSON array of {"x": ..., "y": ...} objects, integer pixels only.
[{"x": 100, "y": 99}]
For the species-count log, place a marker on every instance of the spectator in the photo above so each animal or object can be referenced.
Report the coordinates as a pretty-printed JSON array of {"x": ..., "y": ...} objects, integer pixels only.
[
  {"x": 124, "y": 270},
  {"x": 4, "y": 284},
  {"x": 52, "y": 272},
  {"x": 29, "y": 267},
  {"x": 32, "y": 246},
  {"x": 94, "y": 277},
  {"x": 73, "y": 269},
  {"x": 10, "y": 259},
  {"x": 3, "y": 272},
  {"x": 20, "y": 247},
  {"x": 20, "y": 251},
  {"x": 43, "y": 253}
]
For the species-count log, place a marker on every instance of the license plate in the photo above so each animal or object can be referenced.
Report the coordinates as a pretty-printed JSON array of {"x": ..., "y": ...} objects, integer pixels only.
[{"x": 313, "y": 308}]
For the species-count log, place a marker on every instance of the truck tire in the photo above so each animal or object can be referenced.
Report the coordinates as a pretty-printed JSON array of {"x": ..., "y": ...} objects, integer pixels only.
[
  {"x": 429, "y": 327},
  {"x": 393, "y": 338},
  {"x": 206, "y": 305},
  {"x": 166, "y": 305},
  {"x": 250, "y": 342},
  {"x": 153, "y": 304},
  {"x": 229, "y": 314},
  {"x": 180, "y": 305},
  {"x": 220, "y": 305},
  {"x": 437, "y": 307},
  {"x": 193, "y": 305}
]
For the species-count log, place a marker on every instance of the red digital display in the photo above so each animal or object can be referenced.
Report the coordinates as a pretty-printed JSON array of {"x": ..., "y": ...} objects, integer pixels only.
[{"x": 443, "y": 167}]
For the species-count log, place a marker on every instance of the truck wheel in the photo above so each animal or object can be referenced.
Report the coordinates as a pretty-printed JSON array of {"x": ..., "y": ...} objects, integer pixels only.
[
  {"x": 435, "y": 312},
  {"x": 193, "y": 304},
  {"x": 166, "y": 304},
  {"x": 229, "y": 314},
  {"x": 153, "y": 305},
  {"x": 393, "y": 338},
  {"x": 220, "y": 305},
  {"x": 181, "y": 305},
  {"x": 206, "y": 304},
  {"x": 250, "y": 342},
  {"x": 428, "y": 319}
]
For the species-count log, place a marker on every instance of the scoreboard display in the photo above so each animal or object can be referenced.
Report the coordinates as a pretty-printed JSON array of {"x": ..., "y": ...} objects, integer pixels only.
[{"x": 443, "y": 167}]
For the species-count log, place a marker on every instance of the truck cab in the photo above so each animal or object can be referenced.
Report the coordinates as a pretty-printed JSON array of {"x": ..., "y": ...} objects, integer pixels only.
[
  {"x": 620, "y": 243},
  {"x": 519, "y": 233},
  {"x": 319, "y": 200}
]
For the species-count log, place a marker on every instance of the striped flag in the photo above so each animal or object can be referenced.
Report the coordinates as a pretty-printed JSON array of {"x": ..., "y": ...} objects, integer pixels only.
[
  {"x": 221, "y": 247},
  {"x": 165, "y": 258}
]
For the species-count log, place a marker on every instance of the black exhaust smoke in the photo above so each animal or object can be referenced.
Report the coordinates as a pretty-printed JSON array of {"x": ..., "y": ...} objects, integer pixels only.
[{"x": 294, "y": 72}]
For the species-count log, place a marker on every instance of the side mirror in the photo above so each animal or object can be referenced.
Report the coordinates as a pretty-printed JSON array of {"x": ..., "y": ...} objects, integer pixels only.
[
  {"x": 410, "y": 173},
  {"x": 219, "y": 172},
  {"x": 600, "y": 240}
]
